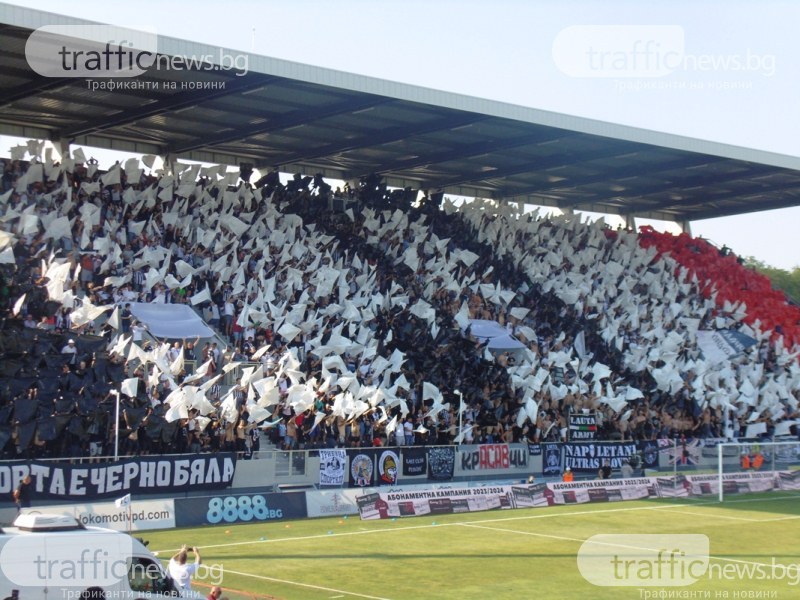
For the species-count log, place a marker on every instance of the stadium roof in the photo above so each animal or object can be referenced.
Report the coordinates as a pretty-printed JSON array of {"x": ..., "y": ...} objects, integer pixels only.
[{"x": 304, "y": 119}]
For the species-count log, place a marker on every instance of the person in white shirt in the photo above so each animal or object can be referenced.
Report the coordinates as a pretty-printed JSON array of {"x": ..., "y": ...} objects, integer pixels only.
[
  {"x": 229, "y": 310},
  {"x": 408, "y": 429},
  {"x": 175, "y": 351},
  {"x": 72, "y": 351},
  {"x": 137, "y": 331},
  {"x": 400, "y": 435},
  {"x": 182, "y": 572}
]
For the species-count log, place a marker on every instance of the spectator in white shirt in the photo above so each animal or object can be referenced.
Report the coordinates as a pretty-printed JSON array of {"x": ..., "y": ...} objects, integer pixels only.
[
  {"x": 182, "y": 572},
  {"x": 137, "y": 331},
  {"x": 71, "y": 350}
]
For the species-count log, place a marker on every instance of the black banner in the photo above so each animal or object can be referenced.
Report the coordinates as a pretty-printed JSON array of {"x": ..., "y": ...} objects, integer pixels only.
[
  {"x": 649, "y": 452},
  {"x": 582, "y": 427},
  {"x": 143, "y": 475},
  {"x": 588, "y": 458},
  {"x": 415, "y": 462},
  {"x": 534, "y": 449},
  {"x": 362, "y": 468},
  {"x": 551, "y": 464},
  {"x": 441, "y": 463},
  {"x": 244, "y": 508},
  {"x": 388, "y": 463}
]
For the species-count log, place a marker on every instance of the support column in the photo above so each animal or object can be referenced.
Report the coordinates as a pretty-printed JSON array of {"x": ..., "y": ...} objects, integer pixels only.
[
  {"x": 686, "y": 226},
  {"x": 169, "y": 164},
  {"x": 63, "y": 145}
]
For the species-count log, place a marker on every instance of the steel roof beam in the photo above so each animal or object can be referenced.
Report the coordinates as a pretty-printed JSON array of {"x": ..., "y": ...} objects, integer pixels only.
[
  {"x": 469, "y": 151},
  {"x": 391, "y": 134},
  {"x": 610, "y": 175},
  {"x": 538, "y": 163},
  {"x": 164, "y": 105},
  {"x": 301, "y": 116},
  {"x": 743, "y": 189}
]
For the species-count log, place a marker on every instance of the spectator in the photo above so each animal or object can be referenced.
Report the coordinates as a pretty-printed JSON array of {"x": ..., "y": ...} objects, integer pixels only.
[
  {"x": 216, "y": 594},
  {"x": 22, "y": 495},
  {"x": 182, "y": 572},
  {"x": 71, "y": 351}
]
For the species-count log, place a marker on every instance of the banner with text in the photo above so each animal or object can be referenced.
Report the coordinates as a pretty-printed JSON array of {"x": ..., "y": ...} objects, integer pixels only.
[
  {"x": 141, "y": 515},
  {"x": 331, "y": 467},
  {"x": 723, "y": 344},
  {"x": 589, "y": 457},
  {"x": 582, "y": 427},
  {"x": 239, "y": 508},
  {"x": 493, "y": 456},
  {"x": 428, "y": 501},
  {"x": 415, "y": 462},
  {"x": 142, "y": 475},
  {"x": 387, "y": 505}
]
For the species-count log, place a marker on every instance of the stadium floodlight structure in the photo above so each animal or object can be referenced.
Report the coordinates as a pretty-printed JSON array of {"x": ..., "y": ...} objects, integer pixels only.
[{"x": 779, "y": 466}]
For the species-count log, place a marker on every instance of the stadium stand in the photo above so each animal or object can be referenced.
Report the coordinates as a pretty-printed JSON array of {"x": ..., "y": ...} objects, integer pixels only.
[{"x": 353, "y": 327}]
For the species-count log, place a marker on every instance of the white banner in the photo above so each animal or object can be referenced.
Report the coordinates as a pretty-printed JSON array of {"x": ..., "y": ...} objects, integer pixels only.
[
  {"x": 331, "y": 467},
  {"x": 143, "y": 514},
  {"x": 171, "y": 321},
  {"x": 328, "y": 503},
  {"x": 380, "y": 503},
  {"x": 723, "y": 344}
]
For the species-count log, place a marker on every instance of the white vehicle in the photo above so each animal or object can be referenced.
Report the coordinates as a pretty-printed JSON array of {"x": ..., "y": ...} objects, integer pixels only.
[{"x": 55, "y": 556}]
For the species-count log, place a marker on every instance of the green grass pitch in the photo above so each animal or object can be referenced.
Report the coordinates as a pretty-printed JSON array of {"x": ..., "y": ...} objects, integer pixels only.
[{"x": 530, "y": 553}]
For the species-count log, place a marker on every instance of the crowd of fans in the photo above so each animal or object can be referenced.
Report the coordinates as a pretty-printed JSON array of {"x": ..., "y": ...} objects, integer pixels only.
[{"x": 349, "y": 327}]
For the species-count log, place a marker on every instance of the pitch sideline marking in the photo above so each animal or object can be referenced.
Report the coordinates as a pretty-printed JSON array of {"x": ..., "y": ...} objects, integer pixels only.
[
  {"x": 499, "y": 520},
  {"x": 713, "y": 516},
  {"x": 428, "y": 526},
  {"x": 308, "y": 585},
  {"x": 569, "y": 539}
]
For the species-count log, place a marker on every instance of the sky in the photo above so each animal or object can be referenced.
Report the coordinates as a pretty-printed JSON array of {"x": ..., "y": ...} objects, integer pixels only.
[{"x": 725, "y": 71}]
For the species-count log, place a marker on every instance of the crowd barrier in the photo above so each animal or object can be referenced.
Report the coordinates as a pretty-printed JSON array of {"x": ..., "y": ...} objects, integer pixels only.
[
  {"x": 239, "y": 508},
  {"x": 385, "y": 504},
  {"x": 406, "y": 501},
  {"x": 273, "y": 470}
]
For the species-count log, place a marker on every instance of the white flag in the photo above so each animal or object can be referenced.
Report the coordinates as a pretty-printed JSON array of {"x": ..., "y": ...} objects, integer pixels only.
[
  {"x": 123, "y": 502},
  {"x": 18, "y": 305}
]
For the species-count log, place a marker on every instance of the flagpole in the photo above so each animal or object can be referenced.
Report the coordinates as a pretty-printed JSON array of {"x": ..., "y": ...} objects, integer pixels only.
[
  {"x": 116, "y": 427},
  {"x": 460, "y": 416}
]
